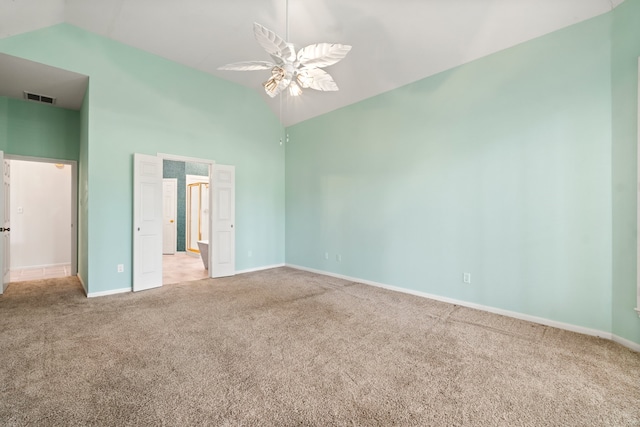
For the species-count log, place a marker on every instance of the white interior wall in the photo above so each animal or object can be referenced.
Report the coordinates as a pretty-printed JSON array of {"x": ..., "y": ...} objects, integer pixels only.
[{"x": 40, "y": 214}]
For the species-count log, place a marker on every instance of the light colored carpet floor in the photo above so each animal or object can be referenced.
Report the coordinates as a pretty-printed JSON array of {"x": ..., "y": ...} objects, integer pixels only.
[{"x": 289, "y": 348}]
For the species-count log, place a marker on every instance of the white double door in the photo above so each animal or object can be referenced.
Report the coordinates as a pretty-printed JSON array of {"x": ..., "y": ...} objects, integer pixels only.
[{"x": 148, "y": 222}]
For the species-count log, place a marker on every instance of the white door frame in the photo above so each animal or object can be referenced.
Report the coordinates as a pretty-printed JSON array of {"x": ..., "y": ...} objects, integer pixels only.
[
  {"x": 74, "y": 200},
  {"x": 209, "y": 163}
]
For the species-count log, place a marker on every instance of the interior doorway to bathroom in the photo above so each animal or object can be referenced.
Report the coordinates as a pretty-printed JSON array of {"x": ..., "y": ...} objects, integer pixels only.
[
  {"x": 42, "y": 212},
  {"x": 185, "y": 221},
  {"x": 148, "y": 220}
]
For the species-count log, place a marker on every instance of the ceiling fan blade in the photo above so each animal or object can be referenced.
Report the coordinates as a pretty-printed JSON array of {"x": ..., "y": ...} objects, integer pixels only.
[
  {"x": 248, "y": 66},
  {"x": 322, "y": 54},
  {"x": 318, "y": 79},
  {"x": 273, "y": 43}
]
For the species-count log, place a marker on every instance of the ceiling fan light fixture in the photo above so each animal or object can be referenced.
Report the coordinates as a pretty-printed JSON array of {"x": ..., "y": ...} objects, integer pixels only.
[
  {"x": 279, "y": 81},
  {"x": 295, "y": 89},
  {"x": 304, "y": 69},
  {"x": 271, "y": 85}
]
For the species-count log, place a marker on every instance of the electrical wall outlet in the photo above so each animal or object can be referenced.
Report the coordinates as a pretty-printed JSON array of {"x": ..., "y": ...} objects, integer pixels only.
[
  {"x": 466, "y": 277},
  {"x": 250, "y": 254},
  {"x": 326, "y": 255},
  {"x": 339, "y": 258},
  {"x": 120, "y": 268}
]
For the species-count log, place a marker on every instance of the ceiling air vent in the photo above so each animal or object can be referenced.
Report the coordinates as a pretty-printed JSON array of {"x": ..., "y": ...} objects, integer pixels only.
[{"x": 39, "y": 98}]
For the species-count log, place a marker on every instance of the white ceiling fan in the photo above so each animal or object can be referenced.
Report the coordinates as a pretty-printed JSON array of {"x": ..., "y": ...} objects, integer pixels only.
[{"x": 290, "y": 69}]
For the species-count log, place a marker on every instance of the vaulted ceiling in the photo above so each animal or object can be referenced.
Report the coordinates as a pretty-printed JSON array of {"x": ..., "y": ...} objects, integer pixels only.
[{"x": 394, "y": 42}]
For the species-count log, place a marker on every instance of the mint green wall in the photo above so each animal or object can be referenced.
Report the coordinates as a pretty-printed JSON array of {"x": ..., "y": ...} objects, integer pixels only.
[
  {"x": 83, "y": 191},
  {"x": 626, "y": 50},
  {"x": 142, "y": 103},
  {"x": 500, "y": 168},
  {"x": 39, "y": 130}
]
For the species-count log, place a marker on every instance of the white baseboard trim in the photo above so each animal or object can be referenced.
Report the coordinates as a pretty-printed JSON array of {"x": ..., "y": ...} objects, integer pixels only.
[
  {"x": 266, "y": 267},
  {"x": 29, "y": 267},
  {"x": 124, "y": 290},
  {"x": 508, "y": 313},
  {"x": 625, "y": 342},
  {"x": 106, "y": 293},
  {"x": 82, "y": 283}
]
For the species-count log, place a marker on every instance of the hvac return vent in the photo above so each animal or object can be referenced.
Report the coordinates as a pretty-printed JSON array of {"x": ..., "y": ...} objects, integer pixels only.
[{"x": 39, "y": 98}]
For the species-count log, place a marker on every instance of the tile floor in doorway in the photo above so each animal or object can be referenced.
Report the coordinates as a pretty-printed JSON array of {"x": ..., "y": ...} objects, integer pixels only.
[
  {"x": 181, "y": 267},
  {"x": 38, "y": 273},
  {"x": 175, "y": 269}
]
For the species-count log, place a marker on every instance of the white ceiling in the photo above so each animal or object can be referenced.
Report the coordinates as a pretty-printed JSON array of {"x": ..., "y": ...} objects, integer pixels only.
[
  {"x": 394, "y": 42},
  {"x": 19, "y": 75}
]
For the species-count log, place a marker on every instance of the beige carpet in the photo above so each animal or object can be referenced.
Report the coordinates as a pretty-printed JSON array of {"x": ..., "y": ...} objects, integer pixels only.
[{"x": 284, "y": 347}]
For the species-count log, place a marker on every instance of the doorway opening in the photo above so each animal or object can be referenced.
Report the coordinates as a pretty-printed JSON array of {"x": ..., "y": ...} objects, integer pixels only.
[
  {"x": 185, "y": 228},
  {"x": 148, "y": 220},
  {"x": 42, "y": 215}
]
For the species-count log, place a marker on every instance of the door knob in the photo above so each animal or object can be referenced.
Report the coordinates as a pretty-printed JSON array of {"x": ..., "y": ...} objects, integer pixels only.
[{"x": 171, "y": 221}]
